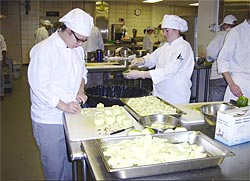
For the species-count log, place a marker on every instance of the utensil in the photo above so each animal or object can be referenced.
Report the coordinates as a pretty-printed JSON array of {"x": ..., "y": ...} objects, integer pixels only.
[
  {"x": 160, "y": 122},
  {"x": 121, "y": 130},
  {"x": 210, "y": 111}
]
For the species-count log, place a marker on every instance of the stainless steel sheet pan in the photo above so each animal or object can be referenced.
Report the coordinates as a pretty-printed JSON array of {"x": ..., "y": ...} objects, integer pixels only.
[
  {"x": 216, "y": 153},
  {"x": 178, "y": 112}
]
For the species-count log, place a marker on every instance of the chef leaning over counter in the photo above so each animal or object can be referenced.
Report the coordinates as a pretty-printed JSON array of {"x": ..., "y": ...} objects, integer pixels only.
[
  {"x": 57, "y": 76},
  {"x": 173, "y": 62},
  {"x": 234, "y": 61}
]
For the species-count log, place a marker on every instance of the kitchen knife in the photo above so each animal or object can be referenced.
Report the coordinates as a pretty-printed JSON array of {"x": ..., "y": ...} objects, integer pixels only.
[{"x": 121, "y": 130}]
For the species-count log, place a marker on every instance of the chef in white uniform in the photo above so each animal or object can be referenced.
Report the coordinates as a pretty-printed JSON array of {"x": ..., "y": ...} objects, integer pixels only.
[
  {"x": 234, "y": 61},
  {"x": 148, "y": 39},
  {"x": 217, "y": 83},
  {"x": 173, "y": 62},
  {"x": 42, "y": 32},
  {"x": 57, "y": 76},
  {"x": 95, "y": 41}
]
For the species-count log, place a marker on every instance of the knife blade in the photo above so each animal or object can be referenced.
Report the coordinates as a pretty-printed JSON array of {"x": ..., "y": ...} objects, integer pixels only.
[{"x": 121, "y": 130}]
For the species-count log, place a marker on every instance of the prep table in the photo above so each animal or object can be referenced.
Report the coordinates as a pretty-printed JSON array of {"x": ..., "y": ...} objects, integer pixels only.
[{"x": 235, "y": 167}]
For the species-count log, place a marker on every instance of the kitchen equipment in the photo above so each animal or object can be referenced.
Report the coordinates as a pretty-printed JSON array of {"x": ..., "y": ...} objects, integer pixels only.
[
  {"x": 81, "y": 126},
  {"x": 125, "y": 52},
  {"x": 109, "y": 53},
  {"x": 141, "y": 53},
  {"x": 151, "y": 102},
  {"x": 90, "y": 56},
  {"x": 210, "y": 111},
  {"x": 121, "y": 130},
  {"x": 160, "y": 122},
  {"x": 116, "y": 32},
  {"x": 216, "y": 153}
]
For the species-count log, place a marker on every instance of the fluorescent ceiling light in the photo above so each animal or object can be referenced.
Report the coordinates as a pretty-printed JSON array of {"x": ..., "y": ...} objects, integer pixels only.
[
  {"x": 151, "y": 1},
  {"x": 194, "y": 4}
]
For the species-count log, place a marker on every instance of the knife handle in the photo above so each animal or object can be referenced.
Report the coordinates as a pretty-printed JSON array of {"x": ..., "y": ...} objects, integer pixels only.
[{"x": 117, "y": 131}]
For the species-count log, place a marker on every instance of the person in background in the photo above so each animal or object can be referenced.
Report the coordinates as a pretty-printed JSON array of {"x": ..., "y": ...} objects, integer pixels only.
[
  {"x": 3, "y": 60},
  {"x": 234, "y": 61},
  {"x": 147, "y": 40},
  {"x": 57, "y": 78},
  {"x": 42, "y": 32},
  {"x": 217, "y": 83},
  {"x": 173, "y": 62},
  {"x": 95, "y": 41}
]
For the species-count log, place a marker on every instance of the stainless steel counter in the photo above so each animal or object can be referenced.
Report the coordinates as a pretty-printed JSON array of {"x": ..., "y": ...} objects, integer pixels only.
[{"x": 235, "y": 167}]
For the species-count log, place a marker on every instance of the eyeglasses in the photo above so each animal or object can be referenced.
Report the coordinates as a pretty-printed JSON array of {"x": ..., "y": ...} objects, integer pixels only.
[
  {"x": 165, "y": 29},
  {"x": 77, "y": 39}
]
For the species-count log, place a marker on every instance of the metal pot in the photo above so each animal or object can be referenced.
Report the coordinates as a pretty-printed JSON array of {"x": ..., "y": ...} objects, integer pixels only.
[
  {"x": 109, "y": 53},
  {"x": 90, "y": 56},
  {"x": 125, "y": 52},
  {"x": 141, "y": 53},
  {"x": 210, "y": 111}
]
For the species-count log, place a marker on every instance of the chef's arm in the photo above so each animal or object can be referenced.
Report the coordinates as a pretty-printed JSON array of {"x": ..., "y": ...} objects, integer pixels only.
[
  {"x": 234, "y": 88},
  {"x": 73, "y": 106}
]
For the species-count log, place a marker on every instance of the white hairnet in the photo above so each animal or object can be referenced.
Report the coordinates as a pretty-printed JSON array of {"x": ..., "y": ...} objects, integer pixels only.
[
  {"x": 47, "y": 23},
  {"x": 78, "y": 21},
  {"x": 174, "y": 22}
]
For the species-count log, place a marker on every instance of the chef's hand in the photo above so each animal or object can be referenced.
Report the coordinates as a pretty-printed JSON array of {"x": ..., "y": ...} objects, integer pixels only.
[
  {"x": 235, "y": 89},
  {"x": 71, "y": 107},
  {"x": 137, "y": 62},
  {"x": 81, "y": 97},
  {"x": 134, "y": 74}
]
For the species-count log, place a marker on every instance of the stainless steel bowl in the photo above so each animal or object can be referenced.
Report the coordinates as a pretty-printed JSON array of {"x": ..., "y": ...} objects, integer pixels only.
[
  {"x": 210, "y": 111},
  {"x": 160, "y": 122}
]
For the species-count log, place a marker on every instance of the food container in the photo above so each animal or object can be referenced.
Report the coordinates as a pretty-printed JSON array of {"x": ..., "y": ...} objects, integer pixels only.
[
  {"x": 160, "y": 122},
  {"x": 216, "y": 153},
  {"x": 210, "y": 111},
  {"x": 141, "y": 53},
  {"x": 154, "y": 102}
]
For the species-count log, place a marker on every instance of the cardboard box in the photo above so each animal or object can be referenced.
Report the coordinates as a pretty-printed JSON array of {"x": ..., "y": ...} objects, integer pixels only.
[{"x": 233, "y": 126}]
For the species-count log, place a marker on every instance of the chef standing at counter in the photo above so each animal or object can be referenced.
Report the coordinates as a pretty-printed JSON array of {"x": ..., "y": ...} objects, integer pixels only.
[
  {"x": 57, "y": 76},
  {"x": 217, "y": 83},
  {"x": 173, "y": 62},
  {"x": 234, "y": 61},
  {"x": 95, "y": 41}
]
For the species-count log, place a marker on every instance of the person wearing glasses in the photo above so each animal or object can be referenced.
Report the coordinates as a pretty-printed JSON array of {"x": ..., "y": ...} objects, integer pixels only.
[
  {"x": 170, "y": 66},
  {"x": 57, "y": 76}
]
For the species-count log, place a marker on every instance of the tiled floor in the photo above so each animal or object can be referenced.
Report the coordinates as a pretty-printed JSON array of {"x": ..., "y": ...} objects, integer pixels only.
[{"x": 19, "y": 154}]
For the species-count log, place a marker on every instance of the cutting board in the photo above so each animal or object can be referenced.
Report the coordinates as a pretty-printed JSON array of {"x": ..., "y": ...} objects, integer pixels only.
[{"x": 81, "y": 126}]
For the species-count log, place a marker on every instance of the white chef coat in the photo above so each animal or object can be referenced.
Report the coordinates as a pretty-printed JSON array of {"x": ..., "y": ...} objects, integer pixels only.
[
  {"x": 148, "y": 43},
  {"x": 212, "y": 52},
  {"x": 95, "y": 41},
  {"x": 55, "y": 73},
  {"x": 41, "y": 34},
  {"x": 234, "y": 57},
  {"x": 174, "y": 64}
]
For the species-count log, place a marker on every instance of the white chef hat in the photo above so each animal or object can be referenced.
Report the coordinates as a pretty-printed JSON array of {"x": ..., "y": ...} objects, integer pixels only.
[
  {"x": 229, "y": 19},
  {"x": 78, "y": 21},
  {"x": 150, "y": 28},
  {"x": 47, "y": 23},
  {"x": 174, "y": 22}
]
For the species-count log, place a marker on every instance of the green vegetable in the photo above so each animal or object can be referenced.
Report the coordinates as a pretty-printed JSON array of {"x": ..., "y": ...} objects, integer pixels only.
[{"x": 242, "y": 101}]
